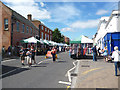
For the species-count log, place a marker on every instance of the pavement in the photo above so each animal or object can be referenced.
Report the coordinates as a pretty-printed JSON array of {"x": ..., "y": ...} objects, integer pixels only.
[{"x": 97, "y": 74}]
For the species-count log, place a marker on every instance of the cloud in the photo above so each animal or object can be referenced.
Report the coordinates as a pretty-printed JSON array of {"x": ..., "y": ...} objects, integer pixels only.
[
  {"x": 81, "y": 25},
  {"x": 101, "y": 12},
  {"x": 85, "y": 24},
  {"x": 42, "y": 4},
  {"x": 24, "y": 8},
  {"x": 66, "y": 29},
  {"x": 63, "y": 12}
]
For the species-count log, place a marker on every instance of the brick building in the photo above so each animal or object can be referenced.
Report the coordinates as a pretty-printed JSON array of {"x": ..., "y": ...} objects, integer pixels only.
[
  {"x": 66, "y": 40},
  {"x": 15, "y": 27},
  {"x": 45, "y": 32}
]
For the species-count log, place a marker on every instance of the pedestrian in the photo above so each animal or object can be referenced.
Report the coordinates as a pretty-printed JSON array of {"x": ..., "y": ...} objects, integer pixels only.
[
  {"x": 116, "y": 57},
  {"x": 29, "y": 57},
  {"x": 70, "y": 51},
  {"x": 9, "y": 50},
  {"x": 94, "y": 53},
  {"x": 22, "y": 55},
  {"x": 99, "y": 51},
  {"x": 33, "y": 54},
  {"x": 53, "y": 52},
  {"x": 3, "y": 50},
  {"x": 105, "y": 54}
]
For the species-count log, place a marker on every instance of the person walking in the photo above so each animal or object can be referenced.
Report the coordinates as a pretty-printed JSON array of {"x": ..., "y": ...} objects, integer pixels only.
[
  {"x": 105, "y": 54},
  {"x": 9, "y": 50},
  {"x": 94, "y": 53},
  {"x": 116, "y": 57},
  {"x": 3, "y": 50},
  {"x": 22, "y": 55},
  {"x": 53, "y": 52},
  {"x": 29, "y": 57},
  {"x": 33, "y": 54}
]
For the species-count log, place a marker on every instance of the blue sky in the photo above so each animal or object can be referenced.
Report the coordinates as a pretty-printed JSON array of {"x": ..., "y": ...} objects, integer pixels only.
[{"x": 71, "y": 18}]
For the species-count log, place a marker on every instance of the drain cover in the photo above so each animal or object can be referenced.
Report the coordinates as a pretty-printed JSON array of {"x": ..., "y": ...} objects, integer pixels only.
[
  {"x": 73, "y": 74},
  {"x": 85, "y": 65}
]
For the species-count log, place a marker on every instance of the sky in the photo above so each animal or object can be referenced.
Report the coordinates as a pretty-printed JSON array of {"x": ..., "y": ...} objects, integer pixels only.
[{"x": 73, "y": 19}]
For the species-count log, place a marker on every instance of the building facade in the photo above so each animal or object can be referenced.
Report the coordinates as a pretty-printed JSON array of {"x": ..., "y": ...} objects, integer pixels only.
[
  {"x": 66, "y": 40},
  {"x": 45, "y": 32},
  {"x": 15, "y": 27},
  {"x": 108, "y": 35}
]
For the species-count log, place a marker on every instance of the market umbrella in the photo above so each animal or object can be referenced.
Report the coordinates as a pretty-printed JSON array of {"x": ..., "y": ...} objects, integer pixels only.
[
  {"x": 31, "y": 40},
  {"x": 46, "y": 42},
  {"x": 86, "y": 39}
]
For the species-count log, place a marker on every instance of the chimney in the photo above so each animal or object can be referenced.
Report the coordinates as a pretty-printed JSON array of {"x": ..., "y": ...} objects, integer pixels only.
[{"x": 29, "y": 16}]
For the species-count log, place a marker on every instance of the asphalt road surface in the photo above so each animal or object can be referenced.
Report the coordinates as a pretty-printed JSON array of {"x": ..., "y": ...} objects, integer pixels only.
[{"x": 46, "y": 74}]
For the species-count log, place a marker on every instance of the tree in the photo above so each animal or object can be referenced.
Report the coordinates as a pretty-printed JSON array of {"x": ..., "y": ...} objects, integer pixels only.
[{"x": 56, "y": 36}]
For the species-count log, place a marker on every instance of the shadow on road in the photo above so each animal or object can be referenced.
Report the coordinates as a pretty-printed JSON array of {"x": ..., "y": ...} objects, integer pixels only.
[
  {"x": 87, "y": 57},
  {"x": 6, "y": 69}
]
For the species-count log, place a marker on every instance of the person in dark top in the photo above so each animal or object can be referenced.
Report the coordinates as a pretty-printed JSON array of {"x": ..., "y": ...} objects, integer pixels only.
[
  {"x": 33, "y": 54},
  {"x": 9, "y": 50},
  {"x": 53, "y": 52},
  {"x": 94, "y": 53},
  {"x": 22, "y": 55}
]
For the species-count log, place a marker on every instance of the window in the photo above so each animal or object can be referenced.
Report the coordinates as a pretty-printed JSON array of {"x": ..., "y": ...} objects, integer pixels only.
[
  {"x": 45, "y": 36},
  {"x": 23, "y": 27},
  {"x": 27, "y": 29},
  {"x": 17, "y": 26},
  {"x": 48, "y": 36},
  {"x": 5, "y": 24},
  {"x": 42, "y": 27},
  {"x": 48, "y": 30},
  {"x": 45, "y": 29},
  {"x": 42, "y": 35},
  {"x": 31, "y": 31}
]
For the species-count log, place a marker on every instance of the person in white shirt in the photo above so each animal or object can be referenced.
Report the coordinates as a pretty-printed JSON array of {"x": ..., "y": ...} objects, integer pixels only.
[{"x": 116, "y": 56}]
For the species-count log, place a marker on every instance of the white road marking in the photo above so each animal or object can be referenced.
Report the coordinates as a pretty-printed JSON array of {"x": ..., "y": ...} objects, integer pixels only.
[
  {"x": 9, "y": 60},
  {"x": 22, "y": 67},
  {"x": 62, "y": 82},
  {"x": 68, "y": 74},
  {"x": 8, "y": 72}
]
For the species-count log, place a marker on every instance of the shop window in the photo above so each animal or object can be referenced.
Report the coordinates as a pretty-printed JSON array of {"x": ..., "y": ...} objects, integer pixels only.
[{"x": 5, "y": 24}]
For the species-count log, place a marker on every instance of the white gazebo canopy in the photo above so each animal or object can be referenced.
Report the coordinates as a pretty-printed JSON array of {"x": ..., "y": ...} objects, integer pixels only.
[{"x": 86, "y": 40}]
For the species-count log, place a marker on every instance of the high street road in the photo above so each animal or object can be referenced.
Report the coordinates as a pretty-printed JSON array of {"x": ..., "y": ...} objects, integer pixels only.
[{"x": 46, "y": 74}]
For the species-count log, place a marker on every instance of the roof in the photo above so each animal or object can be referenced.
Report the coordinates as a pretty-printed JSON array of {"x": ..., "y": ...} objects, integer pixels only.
[{"x": 20, "y": 17}]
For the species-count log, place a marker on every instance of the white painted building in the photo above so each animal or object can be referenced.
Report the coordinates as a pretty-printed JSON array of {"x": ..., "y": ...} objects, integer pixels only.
[{"x": 107, "y": 25}]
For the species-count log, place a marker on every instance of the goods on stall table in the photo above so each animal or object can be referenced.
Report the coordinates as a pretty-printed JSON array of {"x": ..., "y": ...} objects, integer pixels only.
[{"x": 49, "y": 55}]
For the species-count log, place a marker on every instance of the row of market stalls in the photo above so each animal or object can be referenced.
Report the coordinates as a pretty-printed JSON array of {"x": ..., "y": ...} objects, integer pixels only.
[
  {"x": 81, "y": 46},
  {"x": 42, "y": 46},
  {"x": 45, "y": 42}
]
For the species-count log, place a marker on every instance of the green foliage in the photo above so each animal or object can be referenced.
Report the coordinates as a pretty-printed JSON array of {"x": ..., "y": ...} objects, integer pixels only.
[{"x": 56, "y": 36}]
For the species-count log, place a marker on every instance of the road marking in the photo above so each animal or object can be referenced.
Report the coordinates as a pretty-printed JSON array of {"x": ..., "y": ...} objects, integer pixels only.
[
  {"x": 9, "y": 60},
  {"x": 62, "y": 82},
  {"x": 68, "y": 72},
  {"x": 67, "y": 87},
  {"x": 68, "y": 75},
  {"x": 22, "y": 67},
  {"x": 8, "y": 72},
  {"x": 90, "y": 70}
]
